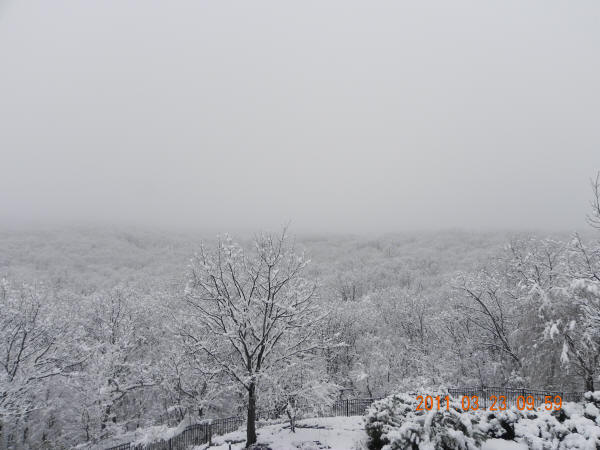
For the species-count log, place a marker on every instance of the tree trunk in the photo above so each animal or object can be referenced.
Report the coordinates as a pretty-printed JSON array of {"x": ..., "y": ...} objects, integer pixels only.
[
  {"x": 291, "y": 412},
  {"x": 292, "y": 421},
  {"x": 3, "y": 436},
  {"x": 589, "y": 382},
  {"x": 251, "y": 423}
]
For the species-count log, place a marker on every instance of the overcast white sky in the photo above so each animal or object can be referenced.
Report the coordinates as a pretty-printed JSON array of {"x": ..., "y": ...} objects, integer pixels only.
[{"x": 334, "y": 115}]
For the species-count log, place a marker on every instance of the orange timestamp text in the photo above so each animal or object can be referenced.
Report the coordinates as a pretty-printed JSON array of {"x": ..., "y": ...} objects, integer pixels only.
[{"x": 495, "y": 403}]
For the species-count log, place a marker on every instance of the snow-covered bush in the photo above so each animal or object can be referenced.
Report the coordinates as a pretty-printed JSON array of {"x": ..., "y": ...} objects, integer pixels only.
[
  {"x": 592, "y": 398},
  {"x": 499, "y": 424},
  {"x": 394, "y": 423},
  {"x": 386, "y": 415},
  {"x": 567, "y": 428}
]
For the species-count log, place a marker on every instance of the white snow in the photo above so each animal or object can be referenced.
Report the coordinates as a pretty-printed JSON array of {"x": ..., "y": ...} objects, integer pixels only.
[
  {"x": 333, "y": 433},
  {"x": 500, "y": 444}
]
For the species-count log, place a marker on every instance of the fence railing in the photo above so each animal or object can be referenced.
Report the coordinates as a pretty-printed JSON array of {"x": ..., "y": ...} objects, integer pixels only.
[
  {"x": 202, "y": 433},
  {"x": 350, "y": 407}
]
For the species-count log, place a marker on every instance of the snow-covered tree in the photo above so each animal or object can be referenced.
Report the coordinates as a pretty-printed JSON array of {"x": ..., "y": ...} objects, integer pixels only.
[
  {"x": 576, "y": 315},
  {"x": 488, "y": 308},
  {"x": 122, "y": 341},
  {"x": 35, "y": 346},
  {"x": 574, "y": 307},
  {"x": 251, "y": 312}
]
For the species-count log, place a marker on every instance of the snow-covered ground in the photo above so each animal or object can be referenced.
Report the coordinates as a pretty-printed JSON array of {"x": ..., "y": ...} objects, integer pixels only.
[
  {"x": 499, "y": 444},
  {"x": 332, "y": 433}
]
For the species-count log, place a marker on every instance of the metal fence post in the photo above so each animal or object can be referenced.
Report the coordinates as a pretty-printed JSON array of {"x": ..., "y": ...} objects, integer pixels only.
[
  {"x": 484, "y": 394},
  {"x": 347, "y": 407}
]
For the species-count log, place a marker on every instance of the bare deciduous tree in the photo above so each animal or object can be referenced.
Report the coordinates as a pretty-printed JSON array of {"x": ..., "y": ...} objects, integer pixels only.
[
  {"x": 251, "y": 312},
  {"x": 488, "y": 309}
]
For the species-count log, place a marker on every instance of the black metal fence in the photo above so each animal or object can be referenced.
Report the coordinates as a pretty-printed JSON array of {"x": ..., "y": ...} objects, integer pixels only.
[
  {"x": 351, "y": 407},
  {"x": 192, "y": 435},
  {"x": 202, "y": 433}
]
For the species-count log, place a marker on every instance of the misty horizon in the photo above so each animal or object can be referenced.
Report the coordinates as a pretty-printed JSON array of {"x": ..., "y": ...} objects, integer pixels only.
[{"x": 337, "y": 117}]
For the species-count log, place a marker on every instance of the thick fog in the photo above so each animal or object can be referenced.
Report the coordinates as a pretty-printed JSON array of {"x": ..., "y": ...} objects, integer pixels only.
[{"x": 334, "y": 116}]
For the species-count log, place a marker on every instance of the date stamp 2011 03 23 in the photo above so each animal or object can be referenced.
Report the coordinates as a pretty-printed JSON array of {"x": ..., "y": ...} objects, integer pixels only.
[{"x": 494, "y": 403}]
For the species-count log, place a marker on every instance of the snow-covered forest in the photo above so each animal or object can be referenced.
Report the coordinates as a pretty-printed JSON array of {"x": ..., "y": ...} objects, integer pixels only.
[
  {"x": 275, "y": 225},
  {"x": 106, "y": 330}
]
